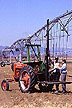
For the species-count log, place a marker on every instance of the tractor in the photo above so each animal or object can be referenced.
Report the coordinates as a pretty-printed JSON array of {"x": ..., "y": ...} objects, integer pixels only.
[{"x": 29, "y": 73}]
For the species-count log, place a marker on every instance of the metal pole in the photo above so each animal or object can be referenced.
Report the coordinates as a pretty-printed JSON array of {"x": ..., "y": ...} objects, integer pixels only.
[
  {"x": 20, "y": 56},
  {"x": 53, "y": 51},
  {"x": 47, "y": 52},
  {"x": 28, "y": 54},
  {"x": 10, "y": 56}
]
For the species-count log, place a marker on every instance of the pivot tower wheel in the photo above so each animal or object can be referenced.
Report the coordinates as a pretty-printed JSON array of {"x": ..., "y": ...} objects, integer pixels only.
[
  {"x": 2, "y": 64},
  {"x": 5, "y": 85},
  {"x": 27, "y": 79}
]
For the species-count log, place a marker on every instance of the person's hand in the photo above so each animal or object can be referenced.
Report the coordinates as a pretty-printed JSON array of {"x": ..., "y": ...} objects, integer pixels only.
[{"x": 57, "y": 66}]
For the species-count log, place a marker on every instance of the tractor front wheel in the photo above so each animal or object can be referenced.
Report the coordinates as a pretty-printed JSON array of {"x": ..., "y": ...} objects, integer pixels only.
[
  {"x": 27, "y": 79},
  {"x": 5, "y": 85}
]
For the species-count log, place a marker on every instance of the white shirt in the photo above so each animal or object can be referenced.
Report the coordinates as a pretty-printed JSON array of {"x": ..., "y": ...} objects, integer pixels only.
[{"x": 55, "y": 65}]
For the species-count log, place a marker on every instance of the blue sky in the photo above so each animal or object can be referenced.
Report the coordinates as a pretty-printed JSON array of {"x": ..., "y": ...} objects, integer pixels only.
[{"x": 19, "y": 18}]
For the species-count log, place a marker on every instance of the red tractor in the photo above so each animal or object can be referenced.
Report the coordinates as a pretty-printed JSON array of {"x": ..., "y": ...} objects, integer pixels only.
[{"x": 29, "y": 73}]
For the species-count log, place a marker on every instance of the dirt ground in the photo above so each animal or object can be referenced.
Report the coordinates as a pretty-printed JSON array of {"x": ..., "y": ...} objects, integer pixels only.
[{"x": 14, "y": 98}]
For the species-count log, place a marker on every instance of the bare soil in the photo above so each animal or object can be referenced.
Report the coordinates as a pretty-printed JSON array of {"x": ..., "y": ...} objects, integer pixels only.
[{"x": 14, "y": 98}]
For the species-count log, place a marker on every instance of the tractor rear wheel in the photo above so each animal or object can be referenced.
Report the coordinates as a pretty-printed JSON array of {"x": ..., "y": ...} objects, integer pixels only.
[
  {"x": 27, "y": 79},
  {"x": 5, "y": 85},
  {"x": 45, "y": 88}
]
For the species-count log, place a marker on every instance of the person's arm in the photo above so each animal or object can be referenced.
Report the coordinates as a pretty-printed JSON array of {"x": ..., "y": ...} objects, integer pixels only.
[
  {"x": 50, "y": 60},
  {"x": 52, "y": 69},
  {"x": 61, "y": 67}
]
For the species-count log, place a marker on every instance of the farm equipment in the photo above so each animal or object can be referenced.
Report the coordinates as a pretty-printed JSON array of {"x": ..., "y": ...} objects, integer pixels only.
[{"x": 29, "y": 73}]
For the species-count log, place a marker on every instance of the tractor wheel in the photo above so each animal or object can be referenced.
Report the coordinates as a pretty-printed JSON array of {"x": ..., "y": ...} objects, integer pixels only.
[
  {"x": 5, "y": 85},
  {"x": 45, "y": 88},
  {"x": 27, "y": 79}
]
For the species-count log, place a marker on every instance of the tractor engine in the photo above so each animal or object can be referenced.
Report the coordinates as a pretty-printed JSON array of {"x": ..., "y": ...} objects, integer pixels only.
[{"x": 16, "y": 67}]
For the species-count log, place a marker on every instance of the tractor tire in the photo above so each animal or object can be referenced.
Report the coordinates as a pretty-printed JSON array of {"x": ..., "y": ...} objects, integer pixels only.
[
  {"x": 2, "y": 64},
  {"x": 45, "y": 88},
  {"x": 5, "y": 85},
  {"x": 27, "y": 79}
]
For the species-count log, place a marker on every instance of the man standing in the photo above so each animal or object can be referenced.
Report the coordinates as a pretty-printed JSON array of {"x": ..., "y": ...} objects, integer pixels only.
[
  {"x": 63, "y": 74},
  {"x": 56, "y": 72}
]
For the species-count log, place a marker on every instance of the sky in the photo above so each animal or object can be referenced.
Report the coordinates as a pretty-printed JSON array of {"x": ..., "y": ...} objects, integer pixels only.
[{"x": 20, "y": 18}]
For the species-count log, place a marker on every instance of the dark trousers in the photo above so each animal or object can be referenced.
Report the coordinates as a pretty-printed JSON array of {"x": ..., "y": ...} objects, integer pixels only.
[
  {"x": 57, "y": 79},
  {"x": 63, "y": 78}
]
